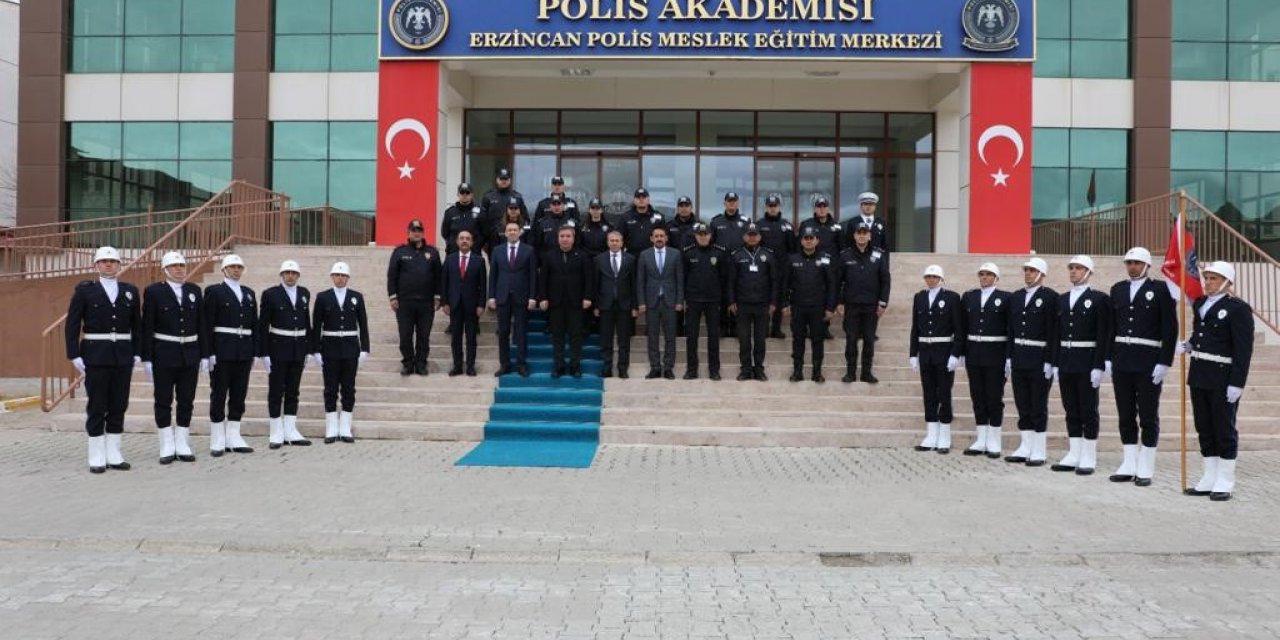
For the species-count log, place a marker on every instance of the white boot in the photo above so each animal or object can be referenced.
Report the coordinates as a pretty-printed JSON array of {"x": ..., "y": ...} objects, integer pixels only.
[
  {"x": 167, "y": 454},
  {"x": 115, "y": 459},
  {"x": 1070, "y": 461},
  {"x": 291, "y": 434},
  {"x": 1039, "y": 449},
  {"x": 1088, "y": 458},
  {"x": 1208, "y": 477},
  {"x": 330, "y": 428},
  {"x": 217, "y": 438},
  {"x": 234, "y": 441},
  {"x": 1226, "y": 481},
  {"x": 181, "y": 445},
  {"x": 1129, "y": 466},
  {"x": 995, "y": 442},
  {"x": 944, "y": 439},
  {"x": 344, "y": 427},
  {"x": 1024, "y": 447},
  {"x": 1146, "y": 466},
  {"x": 97, "y": 454},
  {"x": 930, "y": 441},
  {"x": 979, "y": 445},
  {"x": 275, "y": 437}
]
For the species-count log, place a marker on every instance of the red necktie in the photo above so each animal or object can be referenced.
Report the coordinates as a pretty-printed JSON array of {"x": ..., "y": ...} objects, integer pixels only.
[{"x": 462, "y": 268}]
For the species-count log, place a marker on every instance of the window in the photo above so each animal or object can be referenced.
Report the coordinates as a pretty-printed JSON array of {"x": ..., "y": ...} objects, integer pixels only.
[
  {"x": 319, "y": 163},
  {"x": 326, "y": 35},
  {"x": 1082, "y": 39},
  {"x": 1067, "y": 160},
  {"x": 1221, "y": 40},
  {"x": 152, "y": 36},
  {"x": 1236, "y": 174}
]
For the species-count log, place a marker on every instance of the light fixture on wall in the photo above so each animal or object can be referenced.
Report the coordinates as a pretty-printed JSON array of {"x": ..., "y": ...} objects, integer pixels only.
[{"x": 575, "y": 73}]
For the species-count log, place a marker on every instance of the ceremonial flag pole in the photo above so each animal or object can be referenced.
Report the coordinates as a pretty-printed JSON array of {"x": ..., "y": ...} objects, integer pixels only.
[{"x": 1182, "y": 330}]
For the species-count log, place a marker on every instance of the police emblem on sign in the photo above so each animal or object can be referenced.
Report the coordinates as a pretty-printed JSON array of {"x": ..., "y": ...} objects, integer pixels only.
[
  {"x": 418, "y": 24},
  {"x": 989, "y": 25}
]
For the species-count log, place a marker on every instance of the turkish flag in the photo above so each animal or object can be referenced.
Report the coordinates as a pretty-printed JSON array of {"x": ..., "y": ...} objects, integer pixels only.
[
  {"x": 1000, "y": 157},
  {"x": 408, "y": 127}
]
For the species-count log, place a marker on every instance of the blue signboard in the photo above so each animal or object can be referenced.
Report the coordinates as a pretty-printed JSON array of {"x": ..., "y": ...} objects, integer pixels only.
[{"x": 799, "y": 29}]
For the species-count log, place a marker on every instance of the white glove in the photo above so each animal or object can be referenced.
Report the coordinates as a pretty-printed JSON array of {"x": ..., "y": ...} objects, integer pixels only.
[
  {"x": 1049, "y": 371},
  {"x": 952, "y": 363},
  {"x": 1181, "y": 347},
  {"x": 1095, "y": 378},
  {"x": 915, "y": 364},
  {"x": 318, "y": 358},
  {"x": 147, "y": 369},
  {"x": 204, "y": 365},
  {"x": 213, "y": 362},
  {"x": 1233, "y": 394},
  {"x": 1157, "y": 374},
  {"x": 364, "y": 355},
  {"x": 1008, "y": 367},
  {"x": 1107, "y": 370},
  {"x": 1055, "y": 373},
  {"x": 78, "y": 363},
  {"x": 266, "y": 364}
]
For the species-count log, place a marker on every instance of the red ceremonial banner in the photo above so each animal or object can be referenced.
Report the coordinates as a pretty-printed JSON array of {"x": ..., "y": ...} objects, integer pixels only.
[
  {"x": 408, "y": 124},
  {"x": 1000, "y": 157}
]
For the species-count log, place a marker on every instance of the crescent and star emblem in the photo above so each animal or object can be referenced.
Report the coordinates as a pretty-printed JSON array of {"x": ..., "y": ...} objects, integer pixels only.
[
  {"x": 413, "y": 126},
  {"x": 1000, "y": 178}
]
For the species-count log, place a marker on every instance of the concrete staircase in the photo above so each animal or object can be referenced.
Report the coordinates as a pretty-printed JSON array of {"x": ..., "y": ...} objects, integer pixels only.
[{"x": 697, "y": 412}]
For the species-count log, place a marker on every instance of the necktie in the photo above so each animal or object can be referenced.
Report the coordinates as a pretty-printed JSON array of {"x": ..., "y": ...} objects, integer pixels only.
[
  {"x": 660, "y": 256},
  {"x": 462, "y": 268},
  {"x": 511, "y": 260},
  {"x": 615, "y": 263}
]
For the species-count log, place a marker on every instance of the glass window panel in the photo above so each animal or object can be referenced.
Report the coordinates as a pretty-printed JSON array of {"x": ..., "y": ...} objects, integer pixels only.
[
  {"x": 355, "y": 53},
  {"x": 99, "y": 140},
  {"x": 97, "y": 55},
  {"x": 1202, "y": 20},
  {"x": 1199, "y": 61},
  {"x": 488, "y": 129},
  {"x": 97, "y": 17},
  {"x": 911, "y": 132},
  {"x": 1254, "y": 62},
  {"x": 727, "y": 130},
  {"x": 857, "y": 175},
  {"x": 302, "y": 16},
  {"x": 600, "y": 129},
  {"x": 152, "y": 184},
  {"x": 1050, "y": 147},
  {"x": 619, "y": 178},
  {"x": 778, "y": 175},
  {"x": 718, "y": 175},
  {"x": 204, "y": 141},
  {"x": 1099, "y": 19},
  {"x": 1111, "y": 188},
  {"x": 206, "y": 177},
  {"x": 911, "y": 205},
  {"x": 301, "y": 53},
  {"x": 1049, "y": 200},
  {"x": 1253, "y": 206},
  {"x": 1198, "y": 150},
  {"x": 351, "y": 185},
  {"x": 581, "y": 178},
  {"x": 535, "y": 130},
  {"x": 150, "y": 141},
  {"x": 1099, "y": 59},
  {"x": 813, "y": 178},
  {"x": 1253, "y": 151},
  {"x": 152, "y": 17},
  {"x": 1053, "y": 59},
  {"x": 797, "y": 131},
  {"x": 531, "y": 176},
  {"x": 1053, "y": 19},
  {"x": 300, "y": 141},
  {"x": 355, "y": 16},
  {"x": 1206, "y": 186},
  {"x": 667, "y": 177},
  {"x": 481, "y": 168},
  {"x": 306, "y": 182},
  {"x": 212, "y": 17},
  {"x": 862, "y": 132},
  {"x": 152, "y": 54},
  {"x": 1254, "y": 21},
  {"x": 208, "y": 54},
  {"x": 670, "y": 129},
  {"x": 91, "y": 185},
  {"x": 1100, "y": 148},
  {"x": 352, "y": 140}
]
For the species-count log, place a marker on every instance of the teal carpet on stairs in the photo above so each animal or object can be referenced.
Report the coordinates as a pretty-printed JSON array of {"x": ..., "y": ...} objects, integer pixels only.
[{"x": 540, "y": 421}]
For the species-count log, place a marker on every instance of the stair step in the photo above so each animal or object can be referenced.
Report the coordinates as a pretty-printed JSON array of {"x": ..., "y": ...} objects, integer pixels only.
[
  {"x": 541, "y": 431},
  {"x": 560, "y": 396},
  {"x": 543, "y": 413}
]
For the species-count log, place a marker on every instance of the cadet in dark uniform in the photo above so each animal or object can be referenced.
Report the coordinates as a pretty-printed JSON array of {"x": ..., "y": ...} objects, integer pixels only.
[
  {"x": 569, "y": 205},
  {"x": 462, "y": 298},
  {"x": 230, "y": 320},
  {"x": 173, "y": 353},
  {"x": 936, "y": 344},
  {"x": 494, "y": 202},
  {"x": 778, "y": 236},
  {"x": 593, "y": 231},
  {"x": 680, "y": 227},
  {"x": 340, "y": 341},
  {"x": 413, "y": 287},
  {"x": 109, "y": 314},
  {"x": 1033, "y": 318},
  {"x": 863, "y": 298},
  {"x": 638, "y": 223},
  {"x": 831, "y": 239},
  {"x": 809, "y": 290},
  {"x": 546, "y": 231},
  {"x": 1084, "y": 328},
  {"x": 987, "y": 360},
  {"x": 706, "y": 287},
  {"x": 615, "y": 304},
  {"x": 726, "y": 232},
  {"x": 463, "y": 214},
  {"x": 755, "y": 274},
  {"x": 867, "y": 202},
  {"x": 564, "y": 290},
  {"x": 1141, "y": 352},
  {"x": 285, "y": 329},
  {"x": 1221, "y": 349}
]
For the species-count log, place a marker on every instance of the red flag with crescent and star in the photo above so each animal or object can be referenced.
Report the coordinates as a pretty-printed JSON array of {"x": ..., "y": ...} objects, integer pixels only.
[
  {"x": 408, "y": 108},
  {"x": 1000, "y": 157}
]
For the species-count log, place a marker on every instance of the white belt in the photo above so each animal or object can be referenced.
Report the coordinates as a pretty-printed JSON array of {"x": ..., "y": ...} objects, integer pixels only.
[
  {"x": 1200, "y": 355},
  {"x": 1138, "y": 341},
  {"x": 289, "y": 333},
  {"x": 164, "y": 337},
  {"x": 938, "y": 340},
  {"x": 1067, "y": 344},
  {"x": 107, "y": 337},
  {"x": 340, "y": 334},
  {"x": 1023, "y": 342},
  {"x": 988, "y": 338},
  {"x": 235, "y": 331}
]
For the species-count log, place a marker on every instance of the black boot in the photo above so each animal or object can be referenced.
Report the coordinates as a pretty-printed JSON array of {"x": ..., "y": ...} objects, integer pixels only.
[
  {"x": 867, "y": 377},
  {"x": 797, "y": 375},
  {"x": 849, "y": 376}
]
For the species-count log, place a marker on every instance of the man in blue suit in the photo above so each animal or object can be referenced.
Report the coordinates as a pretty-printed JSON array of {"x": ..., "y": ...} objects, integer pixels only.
[
  {"x": 465, "y": 279},
  {"x": 512, "y": 286}
]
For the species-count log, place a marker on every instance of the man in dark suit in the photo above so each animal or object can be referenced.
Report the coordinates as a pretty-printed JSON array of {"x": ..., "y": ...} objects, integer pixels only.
[
  {"x": 230, "y": 323},
  {"x": 936, "y": 345},
  {"x": 462, "y": 293},
  {"x": 109, "y": 313},
  {"x": 173, "y": 350},
  {"x": 340, "y": 344},
  {"x": 1084, "y": 327},
  {"x": 615, "y": 303},
  {"x": 660, "y": 285},
  {"x": 513, "y": 283},
  {"x": 285, "y": 330},
  {"x": 564, "y": 288}
]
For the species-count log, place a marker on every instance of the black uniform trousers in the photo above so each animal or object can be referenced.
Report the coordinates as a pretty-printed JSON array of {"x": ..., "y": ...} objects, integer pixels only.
[
  {"x": 697, "y": 313},
  {"x": 860, "y": 322},
  {"x": 463, "y": 322},
  {"x": 937, "y": 382},
  {"x": 775, "y": 321},
  {"x": 513, "y": 318},
  {"x": 566, "y": 326},
  {"x": 340, "y": 375},
  {"x": 1031, "y": 397},
  {"x": 282, "y": 387},
  {"x": 986, "y": 390},
  {"x": 807, "y": 323},
  {"x": 1138, "y": 402},
  {"x": 414, "y": 318},
  {"x": 1215, "y": 420},
  {"x": 108, "y": 391},
  {"x": 661, "y": 317},
  {"x": 1080, "y": 403},
  {"x": 168, "y": 380},
  {"x": 229, "y": 386},
  {"x": 616, "y": 322},
  {"x": 753, "y": 329},
  {"x": 728, "y": 327}
]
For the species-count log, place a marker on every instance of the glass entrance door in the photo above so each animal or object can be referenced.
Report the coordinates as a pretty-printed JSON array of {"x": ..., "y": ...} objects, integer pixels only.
[
  {"x": 611, "y": 178},
  {"x": 798, "y": 180}
]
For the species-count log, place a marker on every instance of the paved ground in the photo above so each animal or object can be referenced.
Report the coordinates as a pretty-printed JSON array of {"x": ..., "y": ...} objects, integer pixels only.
[{"x": 387, "y": 539}]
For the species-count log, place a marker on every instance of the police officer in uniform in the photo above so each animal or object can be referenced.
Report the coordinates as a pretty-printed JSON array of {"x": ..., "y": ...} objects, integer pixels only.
[
  {"x": 463, "y": 214},
  {"x": 498, "y": 232},
  {"x": 680, "y": 227},
  {"x": 706, "y": 274},
  {"x": 230, "y": 320},
  {"x": 109, "y": 314},
  {"x": 173, "y": 351},
  {"x": 831, "y": 239},
  {"x": 809, "y": 290},
  {"x": 413, "y": 287},
  {"x": 863, "y": 298},
  {"x": 285, "y": 329},
  {"x": 937, "y": 340},
  {"x": 1141, "y": 352},
  {"x": 564, "y": 290},
  {"x": 568, "y": 205},
  {"x": 639, "y": 221},
  {"x": 593, "y": 231},
  {"x": 340, "y": 344},
  {"x": 1033, "y": 318},
  {"x": 1221, "y": 349},
  {"x": 726, "y": 232},
  {"x": 867, "y": 202},
  {"x": 987, "y": 360},
  {"x": 494, "y": 202},
  {"x": 546, "y": 231},
  {"x": 778, "y": 236},
  {"x": 1084, "y": 324},
  {"x": 615, "y": 304},
  {"x": 755, "y": 274}
]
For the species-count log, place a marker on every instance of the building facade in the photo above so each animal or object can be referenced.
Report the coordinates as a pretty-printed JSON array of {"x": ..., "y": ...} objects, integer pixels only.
[{"x": 8, "y": 112}]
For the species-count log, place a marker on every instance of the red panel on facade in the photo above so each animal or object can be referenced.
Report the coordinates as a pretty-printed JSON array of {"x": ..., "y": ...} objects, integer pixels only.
[
  {"x": 408, "y": 128},
  {"x": 1000, "y": 157}
]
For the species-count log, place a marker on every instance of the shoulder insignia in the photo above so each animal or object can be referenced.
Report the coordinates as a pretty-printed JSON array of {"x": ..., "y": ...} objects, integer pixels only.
[
  {"x": 942, "y": 303},
  {"x": 1088, "y": 303},
  {"x": 128, "y": 295},
  {"x": 1222, "y": 314},
  {"x": 1039, "y": 302},
  {"x": 998, "y": 301},
  {"x": 1151, "y": 295},
  {"x": 191, "y": 297}
]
